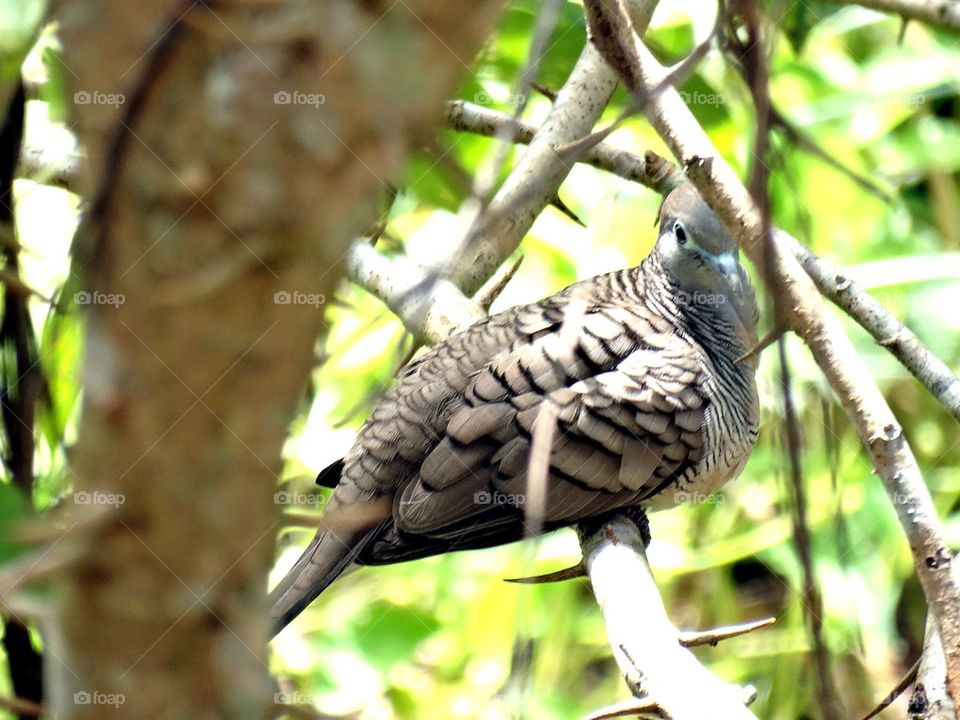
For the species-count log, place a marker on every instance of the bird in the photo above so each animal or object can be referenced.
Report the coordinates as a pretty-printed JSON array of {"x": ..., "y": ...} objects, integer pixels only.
[{"x": 649, "y": 378}]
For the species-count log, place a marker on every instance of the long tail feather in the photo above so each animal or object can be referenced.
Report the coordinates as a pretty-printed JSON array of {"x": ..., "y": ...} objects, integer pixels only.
[{"x": 327, "y": 555}]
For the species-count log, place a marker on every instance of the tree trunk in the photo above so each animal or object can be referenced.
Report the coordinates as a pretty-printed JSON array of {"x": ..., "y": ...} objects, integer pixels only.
[{"x": 233, "y": 152}]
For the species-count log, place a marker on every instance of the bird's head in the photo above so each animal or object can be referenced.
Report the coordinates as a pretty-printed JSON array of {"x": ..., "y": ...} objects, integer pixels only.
[{"x": 695, "y": 248}]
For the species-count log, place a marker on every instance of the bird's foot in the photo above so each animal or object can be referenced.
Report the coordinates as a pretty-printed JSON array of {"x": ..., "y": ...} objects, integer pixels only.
[{"x": 634, "y": 513}]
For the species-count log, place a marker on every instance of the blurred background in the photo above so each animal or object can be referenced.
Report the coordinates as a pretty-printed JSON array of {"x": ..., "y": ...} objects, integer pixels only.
[{"x": 445, "y": 637}]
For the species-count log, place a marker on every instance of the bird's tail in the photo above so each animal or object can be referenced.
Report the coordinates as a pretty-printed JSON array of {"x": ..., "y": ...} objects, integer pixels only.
[{"x": 327, "y": 555}]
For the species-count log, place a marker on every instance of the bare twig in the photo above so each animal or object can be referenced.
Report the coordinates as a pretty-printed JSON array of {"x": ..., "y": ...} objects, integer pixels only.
[
  {"x": 21, "y": 706},
  {"x": 829, "y": 699},
  {"x": 884, "y": 327},
  {"x": 798, "y": 138},
  {"x": 634, "y": 708},
  {"x": 494, "y": 286},
  {"x": 752, "y": 53},
  {"x": 546, "y": 22},
  {"x": 655, "y": 173},
  {"x": 905, "y": 682},
  {"x": 711, "y": 637}
]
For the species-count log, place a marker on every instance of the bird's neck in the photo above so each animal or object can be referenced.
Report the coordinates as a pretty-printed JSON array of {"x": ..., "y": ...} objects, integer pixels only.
[{"x": 708, "y": 316}]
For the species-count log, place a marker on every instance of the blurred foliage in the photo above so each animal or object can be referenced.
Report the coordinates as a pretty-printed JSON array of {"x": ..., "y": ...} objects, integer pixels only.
[{"x": 444, "y": 637}]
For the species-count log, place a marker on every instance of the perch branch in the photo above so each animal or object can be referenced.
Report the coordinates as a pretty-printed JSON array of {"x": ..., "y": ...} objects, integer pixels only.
[
  {"x": 803, "y": 310},
  {"x": 931, "y": 697},
  {"x": 645, "y": 643}
]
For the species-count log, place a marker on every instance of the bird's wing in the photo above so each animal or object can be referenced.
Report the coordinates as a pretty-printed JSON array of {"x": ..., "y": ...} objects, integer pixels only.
[{"x": 622, "y": 433}]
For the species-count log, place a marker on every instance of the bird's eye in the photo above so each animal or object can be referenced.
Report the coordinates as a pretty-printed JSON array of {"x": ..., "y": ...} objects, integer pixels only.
[{"x": 680, "y": 233}]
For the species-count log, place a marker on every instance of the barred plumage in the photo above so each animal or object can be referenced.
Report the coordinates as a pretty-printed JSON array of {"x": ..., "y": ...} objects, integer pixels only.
[{"x": 641, "y": 367}]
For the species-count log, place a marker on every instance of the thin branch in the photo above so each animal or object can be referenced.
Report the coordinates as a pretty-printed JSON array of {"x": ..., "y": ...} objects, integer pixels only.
[
  {"x": 634, "y": 708},
  {"x": 945, "y": 13},
  {"x": 716, "y": 635},
  {"x": 807, "y": 144},
  {"x": 751, "y": 51},
  {"x": 546, "y": 22},
  {"x": 655, "y": 173},
  {"x": 21, "y": 706},
  {"x": 905, "y": 682},
  {"x": 829, "y": 699},
  {"x": 494, "y": 286},
  {"x": 882, "y": 325},
  {"x": 498, "y": 229}
]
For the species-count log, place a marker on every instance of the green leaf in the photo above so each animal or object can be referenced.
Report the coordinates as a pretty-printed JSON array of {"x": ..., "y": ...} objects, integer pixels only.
[
  {"x": 13, "y": 510},
  {"x": 800, "y": 20},
  {"x": 391, "y": 633}
]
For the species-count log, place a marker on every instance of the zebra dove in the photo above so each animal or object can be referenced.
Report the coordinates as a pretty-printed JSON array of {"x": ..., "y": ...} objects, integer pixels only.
[{"x": 642, "y": 369}]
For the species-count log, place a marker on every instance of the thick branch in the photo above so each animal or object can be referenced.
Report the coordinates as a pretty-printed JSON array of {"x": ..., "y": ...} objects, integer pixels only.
[
  {"x": 41, "y": 165},
  {"x": 212, "y": 258}
]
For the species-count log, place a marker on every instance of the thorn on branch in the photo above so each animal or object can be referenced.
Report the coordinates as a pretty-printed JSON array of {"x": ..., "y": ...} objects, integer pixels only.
[
  {"x": 570, "y": 573},
  {"x": 494, "y": 286},
  {"x": 716, "y": 635}
]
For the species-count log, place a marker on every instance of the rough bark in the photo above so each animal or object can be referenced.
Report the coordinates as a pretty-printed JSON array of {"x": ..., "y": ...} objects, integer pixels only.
[{"x": 234, "y": 151}]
